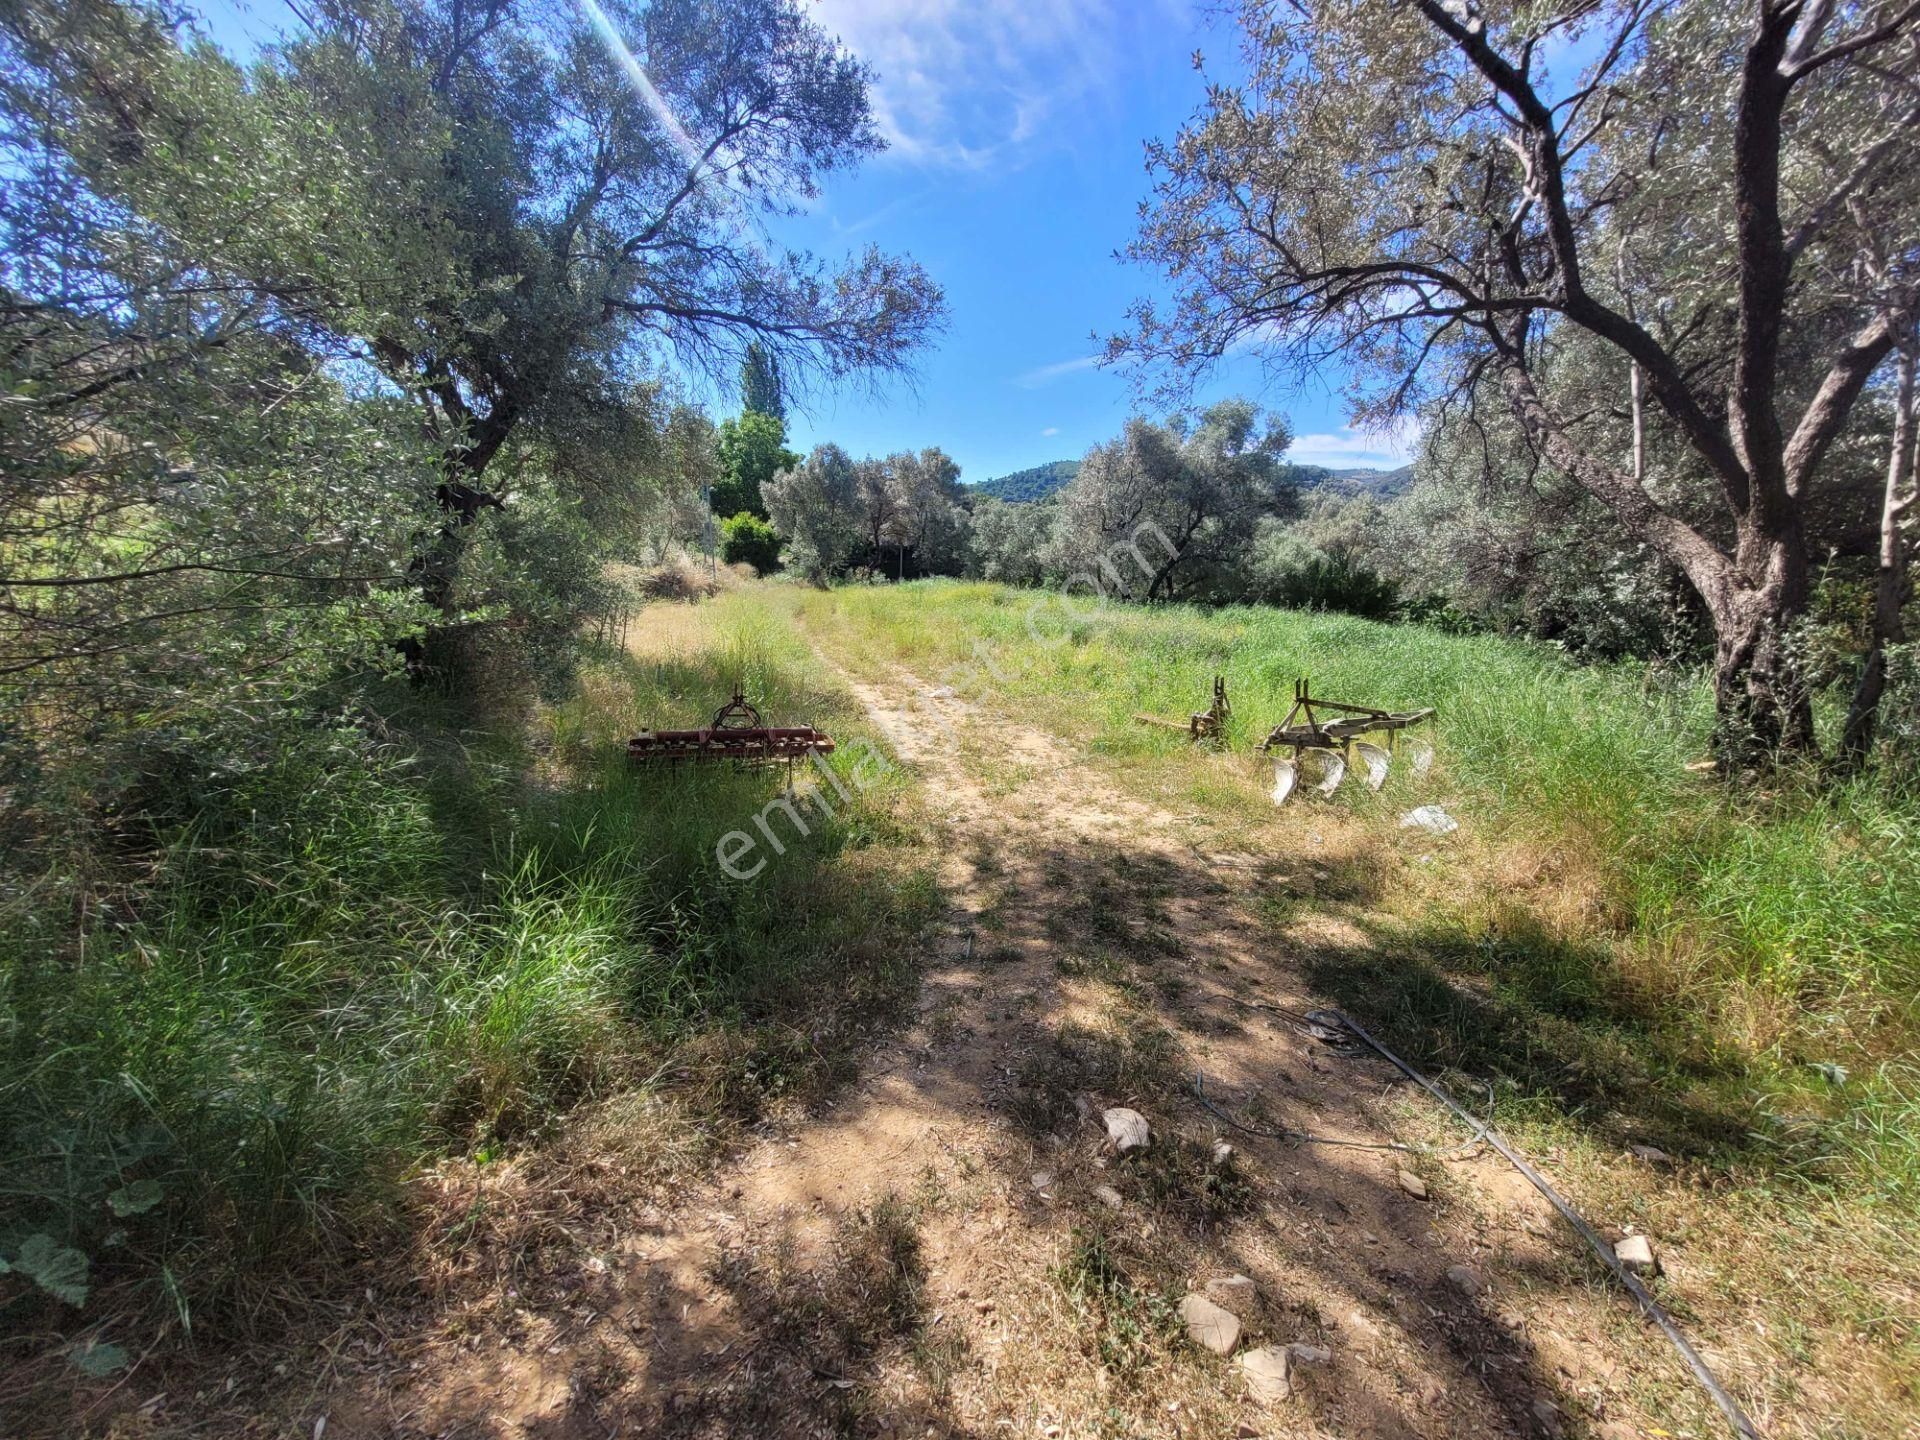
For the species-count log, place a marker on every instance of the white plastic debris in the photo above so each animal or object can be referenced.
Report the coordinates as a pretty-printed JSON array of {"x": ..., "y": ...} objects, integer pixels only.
[{"x": 1430, "y": 818}]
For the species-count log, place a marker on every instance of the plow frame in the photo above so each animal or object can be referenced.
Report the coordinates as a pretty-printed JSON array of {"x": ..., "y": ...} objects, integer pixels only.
[
  {"x": 1333, "y": 742},
  {"x": 1357, "y": 720}
]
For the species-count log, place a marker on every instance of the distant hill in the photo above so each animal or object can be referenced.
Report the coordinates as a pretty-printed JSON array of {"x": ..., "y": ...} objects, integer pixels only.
[
  {"x": 1027, "y": 485},
  {"x": 1042, "y": 480},
  {"x": 1380, "y": 484}
]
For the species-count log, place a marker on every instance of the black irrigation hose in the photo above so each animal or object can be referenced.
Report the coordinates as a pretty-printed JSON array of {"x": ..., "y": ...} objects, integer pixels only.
[{"x": 1728, "y": 1405}]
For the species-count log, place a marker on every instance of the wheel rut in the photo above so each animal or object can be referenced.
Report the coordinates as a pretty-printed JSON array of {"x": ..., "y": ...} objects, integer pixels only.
[{"x": 915, "y": 1258}]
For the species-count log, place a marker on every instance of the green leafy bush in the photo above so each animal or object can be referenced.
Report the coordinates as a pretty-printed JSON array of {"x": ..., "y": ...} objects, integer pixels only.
[{"x": 747, "y": 539}]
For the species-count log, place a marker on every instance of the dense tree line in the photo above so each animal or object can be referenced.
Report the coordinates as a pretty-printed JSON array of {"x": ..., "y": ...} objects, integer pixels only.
[{"x": 1675, "y": 276}]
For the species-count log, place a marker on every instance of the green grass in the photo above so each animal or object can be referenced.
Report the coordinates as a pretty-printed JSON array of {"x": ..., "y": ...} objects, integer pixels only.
[
  {"x": 1641, "y": 946},
  {"x": 363, "y": 956}
]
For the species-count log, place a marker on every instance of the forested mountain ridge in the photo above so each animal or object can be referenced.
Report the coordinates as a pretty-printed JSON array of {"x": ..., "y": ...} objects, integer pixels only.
[{"x": 1037, "y": 482}]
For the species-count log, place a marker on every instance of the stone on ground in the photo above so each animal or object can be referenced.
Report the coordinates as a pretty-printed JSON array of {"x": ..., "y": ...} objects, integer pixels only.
[
  {"x": 1268, "y": 1374},
  {"x": 1464, "y": 1278},
  {"x": 1413, "y": 1184},
  {"x": 1231, "y": 1288},
  {"x": 1108, "y": 1196},
  {"x": 1636, "y": 1254},
  {"x": 1209, "y": 1325},
  {"x": 1127, "y": 1129}
]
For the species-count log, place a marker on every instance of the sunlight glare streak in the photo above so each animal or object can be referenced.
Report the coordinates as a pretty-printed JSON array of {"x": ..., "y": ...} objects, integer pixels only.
[{"x": 689, "y": 150}]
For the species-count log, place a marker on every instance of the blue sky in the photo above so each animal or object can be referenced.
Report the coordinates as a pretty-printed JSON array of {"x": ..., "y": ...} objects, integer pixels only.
[{"x": 1013, "y": 173}]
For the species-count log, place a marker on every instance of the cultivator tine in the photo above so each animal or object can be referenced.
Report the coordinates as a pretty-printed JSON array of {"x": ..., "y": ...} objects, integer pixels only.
[
  {"x": 1286, "y": 775},
  {"x": 1376, "y": 761}
]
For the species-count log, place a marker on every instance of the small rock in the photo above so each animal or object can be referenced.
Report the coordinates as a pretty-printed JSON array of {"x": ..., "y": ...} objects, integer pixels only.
[
  {"x": 1108, "y": 1196},
  {"x": 1430, "y": 818},
  {"x": 1246, "y": 1430},
  {"x": 1636, "y": 1255},
  {"x": 1222, "y": 1152},
  {"x": 1653, "y": 1155},
  {"x": 1465, "y": 1279},
  {"x": 1207, "y": 1324},
  {"x": 1301, "y": 1353},
  {"x": 1268, "y": 1374},
  {"x": 1547, "y": 1414},
  {"x": 1231, "y": 1288},
  {"x": 1127, "y": 1129},
  {"x": 984, "y": 1307},
  {"x": 1413, "y": 1184},
  {"x": 1043, "y": 1179}
]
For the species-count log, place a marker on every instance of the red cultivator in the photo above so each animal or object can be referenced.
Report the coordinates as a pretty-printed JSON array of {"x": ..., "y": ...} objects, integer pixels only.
[{"x": 736, "y": 734}]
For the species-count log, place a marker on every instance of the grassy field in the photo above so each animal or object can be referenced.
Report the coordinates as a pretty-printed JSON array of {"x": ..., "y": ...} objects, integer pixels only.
[
  {"x": 1635, "y": 945},
  {"x": 389, "y": 993},
  {"x": 376, "y": 955}
]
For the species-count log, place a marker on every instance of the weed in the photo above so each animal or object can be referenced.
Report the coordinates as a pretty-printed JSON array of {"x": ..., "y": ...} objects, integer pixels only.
[
  {"x": 377, "y": 950},
  {"x": 1127, "y": 1326}
]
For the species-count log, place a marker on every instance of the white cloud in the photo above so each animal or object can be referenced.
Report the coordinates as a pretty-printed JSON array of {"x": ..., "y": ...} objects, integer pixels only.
[
  {"x": 959, "y": 83},
  {"x": 1049, "y": 431},
  {"x": 1060, "y": 369},
  {"x": 1349, "y": 449}
]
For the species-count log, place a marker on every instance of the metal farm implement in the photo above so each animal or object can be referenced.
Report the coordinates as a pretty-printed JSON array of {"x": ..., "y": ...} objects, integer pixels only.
[
  {"x": 737, "y": 734},
  {"x": 1209, "y": 724},
  {"x": 1322, "y": 746}
]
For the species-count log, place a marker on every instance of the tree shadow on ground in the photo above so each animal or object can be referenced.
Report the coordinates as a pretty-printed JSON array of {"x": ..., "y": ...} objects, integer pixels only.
[
  {"x": 1542, "y": 1018},
  {"x": 837, "y": 1315}
]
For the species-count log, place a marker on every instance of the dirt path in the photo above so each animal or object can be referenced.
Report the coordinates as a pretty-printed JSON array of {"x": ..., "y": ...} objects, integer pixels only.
[{"x": 954, "y": 1249}]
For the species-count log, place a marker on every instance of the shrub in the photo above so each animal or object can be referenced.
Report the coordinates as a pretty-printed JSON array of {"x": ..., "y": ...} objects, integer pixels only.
[
  {"x": 747, "y": 539},
  {"x": 1333, "y": 582}
]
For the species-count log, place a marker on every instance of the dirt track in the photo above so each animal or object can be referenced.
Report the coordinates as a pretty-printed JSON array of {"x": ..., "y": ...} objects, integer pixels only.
[{"x": 930, "y": 1257}]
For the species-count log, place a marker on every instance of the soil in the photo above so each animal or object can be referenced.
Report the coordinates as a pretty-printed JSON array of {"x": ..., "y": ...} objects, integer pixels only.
[{"x": 929, "y": 1256}]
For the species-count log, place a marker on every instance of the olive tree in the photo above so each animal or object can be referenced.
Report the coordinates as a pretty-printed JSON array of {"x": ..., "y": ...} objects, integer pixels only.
[
  {"x": 1181, "y": 499},
  {"x": 930, "y": 517},
  {"x": 205, "y": 509},
  {"x": 590, "y": 182},
  {"x": 816, "y": 508},
  {"x": 1406, "y": 185}
]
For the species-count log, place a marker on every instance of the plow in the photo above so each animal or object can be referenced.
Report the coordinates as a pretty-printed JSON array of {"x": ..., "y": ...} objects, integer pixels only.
[
  {"x": 1320, "y": 742},
  {"x": 1325, "y": 738},
  {"x": 737, "y": 735}
]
